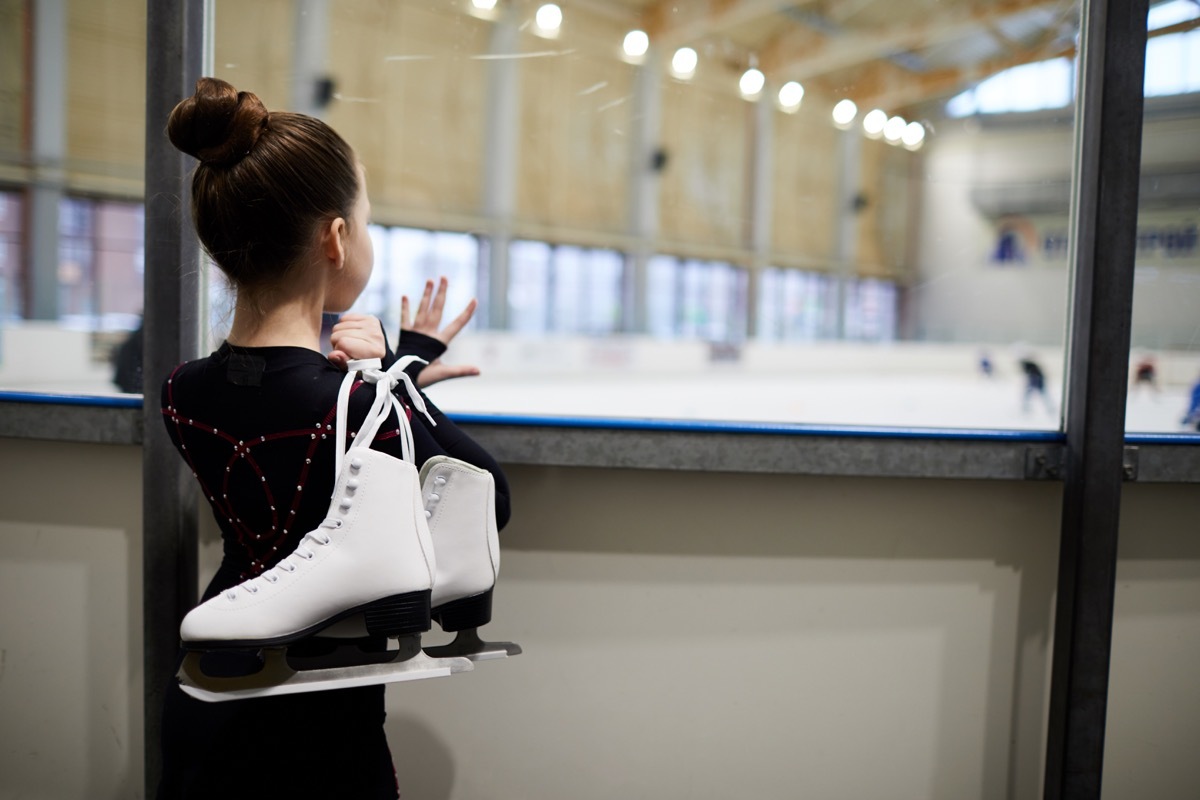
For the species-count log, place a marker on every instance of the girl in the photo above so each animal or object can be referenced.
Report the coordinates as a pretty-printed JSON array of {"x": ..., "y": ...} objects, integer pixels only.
[{"x": 279, "y": 202}]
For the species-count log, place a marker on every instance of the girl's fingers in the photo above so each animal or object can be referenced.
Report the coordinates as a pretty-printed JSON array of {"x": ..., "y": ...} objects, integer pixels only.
[
  {"x": 451, "y": 330},
  {"x": 404, "y": 320},
  {"x": 425, "y": 297},
  {"x": 439, "y": 300}
]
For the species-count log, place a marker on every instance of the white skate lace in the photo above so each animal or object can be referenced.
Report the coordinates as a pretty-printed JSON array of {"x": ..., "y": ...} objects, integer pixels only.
[
  {"x": 303, "y": 551},
  {"x": 385, "y": 381}
]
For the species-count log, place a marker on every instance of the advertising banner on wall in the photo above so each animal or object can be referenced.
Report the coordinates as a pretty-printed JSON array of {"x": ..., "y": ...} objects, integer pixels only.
[{"x": 1164, "y": 239}]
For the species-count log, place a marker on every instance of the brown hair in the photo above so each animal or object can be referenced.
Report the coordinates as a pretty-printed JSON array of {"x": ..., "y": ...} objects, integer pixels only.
[{"x": 264, "y": 181}]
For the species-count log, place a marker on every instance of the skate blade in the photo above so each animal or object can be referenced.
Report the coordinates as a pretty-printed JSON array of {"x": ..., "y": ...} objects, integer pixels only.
[
  {"x": 467, "y": 644},
  {"x": 278, "y": 678}
]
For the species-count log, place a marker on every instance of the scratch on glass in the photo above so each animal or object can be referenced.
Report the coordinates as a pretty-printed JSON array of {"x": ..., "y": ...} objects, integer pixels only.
[
  {"x": 611, "y": 104},
  {"x": 595, "y": 87},
  {"x": 535, "y": 54}
]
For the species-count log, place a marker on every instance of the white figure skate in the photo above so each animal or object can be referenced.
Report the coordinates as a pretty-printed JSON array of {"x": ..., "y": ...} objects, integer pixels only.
[
  {"x": 460, "y": 504},
  {"x": 372, "y": 557}
]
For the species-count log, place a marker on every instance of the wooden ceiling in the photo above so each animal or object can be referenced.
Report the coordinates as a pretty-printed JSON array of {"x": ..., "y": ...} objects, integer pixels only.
[{"x": 893, "y": 54}]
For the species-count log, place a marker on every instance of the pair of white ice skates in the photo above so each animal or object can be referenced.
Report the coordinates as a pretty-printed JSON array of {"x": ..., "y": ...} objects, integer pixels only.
[{"x": 397, "y": 550}]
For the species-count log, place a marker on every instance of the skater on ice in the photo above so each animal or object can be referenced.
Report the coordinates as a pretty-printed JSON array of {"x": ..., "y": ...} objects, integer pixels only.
[
  {"x": 353, "y": 513},
  {"x": 1035, "y": 384},
  {"x": 1145, "y": 374},
  {"x": 1191, "y": 418}
]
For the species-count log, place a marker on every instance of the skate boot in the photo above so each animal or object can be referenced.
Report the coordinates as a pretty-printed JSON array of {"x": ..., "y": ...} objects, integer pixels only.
[
  {"x": 372, "y": 556},
  {"x": 460, "y": 504}
]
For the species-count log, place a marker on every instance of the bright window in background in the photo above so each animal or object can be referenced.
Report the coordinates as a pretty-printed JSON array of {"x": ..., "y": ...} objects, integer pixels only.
[
  {"x": 100, "y": 263},
  {"x": 529, "y": 286},
  {"x": 405, "y": 258},
  {"x": 1172, "y": 67},
  {"x": 801, "y": 306},
  {"x": 662, "y": 296},
  {"x": 712, "y": 304},
  {"x": 1029, "y": 87},
  {"x": 11, "y": 213},
  {"x": 586, "y": 290},
  {"x": 564, "y": 289},
  {"x": 694, "y": 299},
  {"x": 75, "y": 274},
  {"x": 870, "y": 310},
  {"x": 789, "y": 308},
  {"x": 1173, "y": 64}
]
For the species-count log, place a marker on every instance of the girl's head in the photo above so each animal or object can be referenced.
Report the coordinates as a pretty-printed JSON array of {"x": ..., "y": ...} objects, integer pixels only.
[{"x": 273, "y": 190}]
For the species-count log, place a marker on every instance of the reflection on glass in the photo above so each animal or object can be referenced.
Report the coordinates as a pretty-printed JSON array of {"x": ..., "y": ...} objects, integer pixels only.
[
  {"x": 1164, "y": 368},
  {"x": 71, "y": 165},
  {"x": 885, "y": 212}
]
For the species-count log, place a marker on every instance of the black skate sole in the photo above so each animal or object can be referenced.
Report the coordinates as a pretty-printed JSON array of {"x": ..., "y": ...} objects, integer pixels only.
[
  {"x": 398, "y": 615},
  {"x": 465, "y": 613}
]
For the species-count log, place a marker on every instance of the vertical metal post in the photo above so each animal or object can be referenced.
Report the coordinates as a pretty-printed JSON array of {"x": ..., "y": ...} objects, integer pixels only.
[
  {"x": 1104, "y": 221},
  {"x": 501, "y": 127},
  {"x": 48, "y": 147},
  {"x": 759, "y": 199},
  {"x": 174, "y": 52},
  {"x": 310, "y": 53},
  {"x": 645, "y": 169},
  {"x": 845, "y": 246}
]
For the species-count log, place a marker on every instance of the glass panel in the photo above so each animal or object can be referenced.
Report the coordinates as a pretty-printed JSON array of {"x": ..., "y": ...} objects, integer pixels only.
[
  {"x": 1164, "y": 368},
  {"x": 72, "y": 106},
  {"x": 888, "y": 208}
]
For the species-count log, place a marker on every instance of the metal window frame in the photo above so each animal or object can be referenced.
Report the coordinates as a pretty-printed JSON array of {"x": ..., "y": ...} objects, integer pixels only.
[{"x": 1092, "y": 457}]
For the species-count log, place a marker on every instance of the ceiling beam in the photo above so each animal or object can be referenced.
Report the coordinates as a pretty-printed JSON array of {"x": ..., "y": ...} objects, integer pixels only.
[
  {"x": 893, "y": 89},
  {"x": 829, "y": 53},
  {"x": 671, "y": 23}
]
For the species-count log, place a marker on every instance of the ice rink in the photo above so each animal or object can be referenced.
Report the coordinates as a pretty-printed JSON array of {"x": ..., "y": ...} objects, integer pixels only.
[
  {"x": 899, "y": 384},
  {"x": 853, "y": 400}
]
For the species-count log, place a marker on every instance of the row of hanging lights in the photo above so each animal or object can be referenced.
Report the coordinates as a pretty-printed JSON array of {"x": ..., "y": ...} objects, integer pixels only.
[{"x": 876, "y": 124}]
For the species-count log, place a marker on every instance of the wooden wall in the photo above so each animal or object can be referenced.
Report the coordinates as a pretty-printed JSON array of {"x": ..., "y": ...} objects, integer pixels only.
[
  {"x": 12, "y": 85},
  {"x": 412, "y": 90}
]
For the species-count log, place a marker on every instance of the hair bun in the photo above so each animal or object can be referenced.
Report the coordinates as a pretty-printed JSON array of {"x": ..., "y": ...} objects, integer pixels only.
[{"x": 218, "y": 124}]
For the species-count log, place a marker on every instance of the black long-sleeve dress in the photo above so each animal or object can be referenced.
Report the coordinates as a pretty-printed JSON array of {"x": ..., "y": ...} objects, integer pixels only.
[{"x": 255, "y": 425}]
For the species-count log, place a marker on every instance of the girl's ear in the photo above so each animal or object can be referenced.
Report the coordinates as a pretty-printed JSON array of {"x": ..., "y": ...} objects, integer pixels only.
[{"x": 332, "y": 245}]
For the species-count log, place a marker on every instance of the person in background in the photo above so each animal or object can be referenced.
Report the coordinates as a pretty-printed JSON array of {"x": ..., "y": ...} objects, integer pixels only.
[
  {"x": 1191, "y": 419},
  {"x": 1145, "y": 373},
  {"x": 127, "y": 361},
  {"x": 1035, "y": 384}
]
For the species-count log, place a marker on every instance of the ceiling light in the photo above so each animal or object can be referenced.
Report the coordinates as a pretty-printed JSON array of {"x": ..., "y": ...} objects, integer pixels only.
[
  {"x": 873, "y": 122},
  {"x": 844, "y": 113},
  {"x": 683, "y": 63},
  {"x": 548, "y": 19},
  {"x": 894, "y": 129},
  {"x": 790, "y": 95},
  {"x": 484, "y": 5},
  {"x": 751, "y": 83},
  {"x": 636, "y": 44},
  {"x": 913, "y": 136}
]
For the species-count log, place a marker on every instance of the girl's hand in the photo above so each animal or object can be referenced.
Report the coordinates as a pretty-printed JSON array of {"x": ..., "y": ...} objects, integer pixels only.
[
  {"x": 429, "y": 314},
  {"x": 356, "y": 336},
  {"x": 427, "y": 320},
  {"x": 437, "y": 371}
]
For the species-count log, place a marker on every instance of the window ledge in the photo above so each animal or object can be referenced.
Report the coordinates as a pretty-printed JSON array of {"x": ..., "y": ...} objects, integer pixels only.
[{"x": 879, "y": 452}]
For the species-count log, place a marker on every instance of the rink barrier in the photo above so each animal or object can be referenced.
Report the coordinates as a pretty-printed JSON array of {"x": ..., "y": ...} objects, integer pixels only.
[{"x": 687, "y": 445}]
